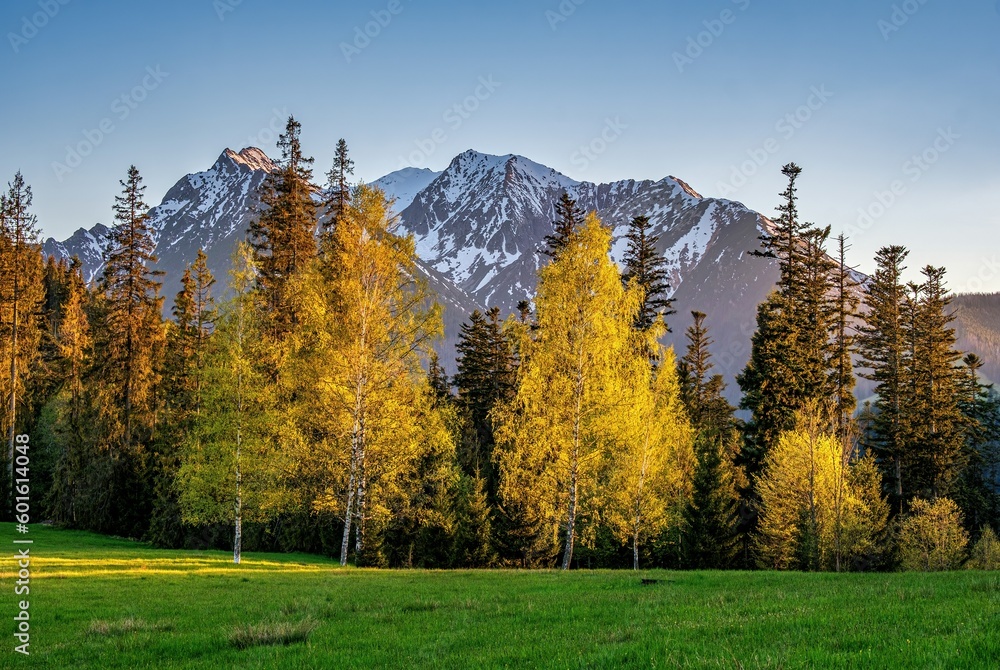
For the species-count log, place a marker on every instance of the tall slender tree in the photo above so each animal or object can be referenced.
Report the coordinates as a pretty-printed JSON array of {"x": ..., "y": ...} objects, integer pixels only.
[
  {"x": 846, "y": 312},
  {"x": 20, "y": 299},
  {"x": 644, "y": 264},
  {"x": 284, "y": 235},
  {"x": 882, "y": 343},
  {"x": 338, "y": 184},
  {"x": 569, "y": 218}
]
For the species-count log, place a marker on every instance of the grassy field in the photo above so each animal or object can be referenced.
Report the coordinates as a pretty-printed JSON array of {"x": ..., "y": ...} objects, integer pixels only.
[{"x": 105, "y": 603}]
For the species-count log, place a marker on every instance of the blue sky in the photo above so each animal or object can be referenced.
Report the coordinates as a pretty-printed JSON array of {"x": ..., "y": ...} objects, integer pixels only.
[{"x": 891, "y": 106}]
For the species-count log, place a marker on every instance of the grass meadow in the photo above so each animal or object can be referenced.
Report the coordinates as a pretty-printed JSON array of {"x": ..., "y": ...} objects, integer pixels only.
[{"x": 106, "y": 603}]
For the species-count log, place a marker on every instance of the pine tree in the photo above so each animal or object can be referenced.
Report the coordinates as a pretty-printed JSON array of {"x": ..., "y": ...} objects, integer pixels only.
[
  {"x": 711, "y": 414},
  {"x": 20, "y": 301},
  {"x": 569, "y": 387},
  {"x": 338, "y": 186},
  {"x": 644, "y": 264},
  {"x": 284, "y": 235},
  {"x": 569, "y": 218},
  {"x": 882, "y": 342},
  {"x": 437, "y": 379}
]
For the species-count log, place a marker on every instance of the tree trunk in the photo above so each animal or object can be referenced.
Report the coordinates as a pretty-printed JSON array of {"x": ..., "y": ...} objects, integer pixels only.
[
  {"x": 571, "y": 522},
  {"x": 635, "y": 549},
  {"x": 238, "y": 539},
  {"x": 349, "y": 513},
  {"x": 13, "y": 391}
]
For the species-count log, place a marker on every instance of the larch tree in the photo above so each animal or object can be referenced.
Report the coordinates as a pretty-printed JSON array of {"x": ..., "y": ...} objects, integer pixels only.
[
  {"x": 21, "y": 296},
  {"x": 648, "y": 268},
  {"x": 569, "y": 386},
  {"x": 649, "y": 460}
]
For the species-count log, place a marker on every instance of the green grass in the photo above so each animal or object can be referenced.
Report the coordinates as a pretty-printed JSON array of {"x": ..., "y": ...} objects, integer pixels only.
[{"x": 104, "y": 603}]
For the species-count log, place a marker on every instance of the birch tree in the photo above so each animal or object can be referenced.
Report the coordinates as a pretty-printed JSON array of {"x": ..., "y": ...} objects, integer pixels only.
[
  {"x": 569, "y": 386},
  {"x": 649, "y": 456}
]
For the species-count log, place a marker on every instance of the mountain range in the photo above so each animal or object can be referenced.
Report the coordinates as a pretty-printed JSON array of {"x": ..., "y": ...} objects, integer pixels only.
[{"x": 479, "y": 227}]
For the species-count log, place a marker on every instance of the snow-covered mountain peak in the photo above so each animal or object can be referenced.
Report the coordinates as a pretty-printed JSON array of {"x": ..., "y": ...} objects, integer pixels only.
[
  {"x": 251, "y": 157},
  {"x": 404, "y": 185}
]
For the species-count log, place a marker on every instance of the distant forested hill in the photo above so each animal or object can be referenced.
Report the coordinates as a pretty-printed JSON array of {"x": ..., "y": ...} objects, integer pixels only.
[{"x": 978, "y": 329}]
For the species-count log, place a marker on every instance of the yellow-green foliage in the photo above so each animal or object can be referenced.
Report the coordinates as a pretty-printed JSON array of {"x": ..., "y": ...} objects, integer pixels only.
[
  {"x": 573, "y": 388},
  {"x": 361, "y": 398},
  {"x": 649, "y": 454},
  {"x": 985, "y": 553},
  {"x": 809, "y": 483},
  {"x": 931, "y": 538}
]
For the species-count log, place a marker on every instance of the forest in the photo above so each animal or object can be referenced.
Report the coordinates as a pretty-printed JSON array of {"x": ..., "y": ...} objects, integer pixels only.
[{"x": 298, "y": 403}]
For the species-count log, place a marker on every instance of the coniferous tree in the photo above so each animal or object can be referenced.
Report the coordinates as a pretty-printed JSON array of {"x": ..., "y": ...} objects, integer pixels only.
[
  {"x": 940, "y": 454},
  {"x": 338, "y": 185},
  {"x": 845, "y": 312},
  {"x": 976, "y": 492},
  {"x": 569, "y": 218},
  {"x": 644, "y": 264},
  {"x": 128, "y": 355},
  {"x": 486, "y": 377},
  {"x": 21, "y": 299},
  {"x": 882, "y": 343},
  {"x": 710, "y": 515},
  {"x": 73, "y": 341},
  {"x": 188, "y": 340},
  {"x": 284, "y": 235},
  {"x": 791, "y": 351}
]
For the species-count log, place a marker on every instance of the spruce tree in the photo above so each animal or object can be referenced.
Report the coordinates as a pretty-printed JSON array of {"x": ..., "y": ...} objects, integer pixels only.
[
  {"x": 128, "y": 356},
  {"x": 486, "y": 376},
  {"x": 338, "y": 185},
  {"x": 569, "y": 218},
  {"x": 133, "y": 323},
  {"x": 20, "y": 301},
  {"x": 284, "y": 235},
  {"x": 644, "y": 264},
  {"x": 941, "y": 455},
  {"x": 710, "y": 515},
  {"x": 882, "y": 343}
]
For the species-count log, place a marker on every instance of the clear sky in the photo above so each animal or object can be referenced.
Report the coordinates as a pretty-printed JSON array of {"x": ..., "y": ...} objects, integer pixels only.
[{"x": 895, "y": 101}]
